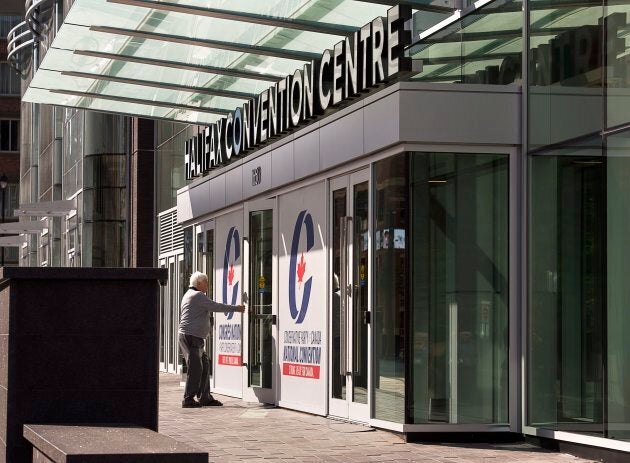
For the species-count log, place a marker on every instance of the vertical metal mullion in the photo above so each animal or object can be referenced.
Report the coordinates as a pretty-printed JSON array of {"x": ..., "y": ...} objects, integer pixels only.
[
  {"x": 604, "y": 145},
  {"x": 408, "y": 317},
  {"x": 519, "y": 313}
]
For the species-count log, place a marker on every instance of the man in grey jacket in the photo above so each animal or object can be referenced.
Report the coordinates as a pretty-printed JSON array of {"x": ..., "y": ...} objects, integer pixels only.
[{"x": 194, "y": 327}]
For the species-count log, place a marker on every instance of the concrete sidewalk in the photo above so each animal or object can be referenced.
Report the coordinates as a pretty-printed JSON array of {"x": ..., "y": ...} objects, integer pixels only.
[{"x": 240, "y": 431}]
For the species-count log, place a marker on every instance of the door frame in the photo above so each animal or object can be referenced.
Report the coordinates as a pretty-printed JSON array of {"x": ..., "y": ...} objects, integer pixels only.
[
  {"x": 164, "y": 311},
  {"x": 170, "y": 306},
  {"x": 253, "y": 393},
  {"x": 170, "y": 295},
  {"x": 348, "y": 409},
  {"x": 203, "y": 227},
  {"x": 179, "y": 265}
]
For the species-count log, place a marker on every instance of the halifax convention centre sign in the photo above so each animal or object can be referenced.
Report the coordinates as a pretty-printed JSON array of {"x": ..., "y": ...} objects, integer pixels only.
[{"x": 364, "y": 59}]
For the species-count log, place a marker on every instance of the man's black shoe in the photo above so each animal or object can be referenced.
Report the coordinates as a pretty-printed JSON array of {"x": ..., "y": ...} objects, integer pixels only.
[
  {"x": 210, "y": 403},
  {"x": 190, "y": 403}
]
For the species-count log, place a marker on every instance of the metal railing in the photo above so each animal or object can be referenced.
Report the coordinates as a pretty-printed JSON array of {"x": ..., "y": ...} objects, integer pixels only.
[
  {"x": 19, "y": 48},
  {"x": 26, "y": 36},
  {"x": 38, "y": 12}
]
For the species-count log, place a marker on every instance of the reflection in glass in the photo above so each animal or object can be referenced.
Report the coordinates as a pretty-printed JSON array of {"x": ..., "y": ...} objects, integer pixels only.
[
  {"x": 260, "y": 290},
  {"x": 359, "y": 295},
  {"x": 578, "y": 314},
  {"x": 617, "y": 355},
  {"x": 617, "y": 63},
  {"x": 567, "y": 294},
  {"x": 578, "y": 53},
  {"x": 339, "y": 211},
  {"x": 170, "y": 163},
  {"x": 391, "y": 201},
  {"x": 459, "y": 284},
  {"x": 483, "y": 47}
]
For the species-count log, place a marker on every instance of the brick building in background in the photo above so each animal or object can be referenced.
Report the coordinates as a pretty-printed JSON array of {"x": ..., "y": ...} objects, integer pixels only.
[{"x": 11, "y": 13}]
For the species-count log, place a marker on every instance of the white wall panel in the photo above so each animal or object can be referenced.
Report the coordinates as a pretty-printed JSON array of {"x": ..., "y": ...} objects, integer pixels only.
[
  {"x": 282, "y": 165},
  {"x": 381, "y": 123},
  {"x": 341, "y": 140},
  {"x": 302, "y": 299},
  {"x": 264, "y": 162},
  {"x": 234, "y": 185}
]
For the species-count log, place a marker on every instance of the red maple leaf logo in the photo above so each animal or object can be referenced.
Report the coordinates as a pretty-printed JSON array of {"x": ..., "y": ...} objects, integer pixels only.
[
  {"x": 301, "y": 269},
  {"x": 231, "y": 274}
]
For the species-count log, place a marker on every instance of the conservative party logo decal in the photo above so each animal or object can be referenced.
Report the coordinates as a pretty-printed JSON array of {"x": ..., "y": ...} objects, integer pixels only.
[
  {"x": 298, "y": 269},
  {"x": 234, "y": 242}
]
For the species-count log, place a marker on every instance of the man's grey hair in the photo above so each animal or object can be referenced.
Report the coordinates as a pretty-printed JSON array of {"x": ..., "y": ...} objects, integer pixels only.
[{"x": 196, "y": 278}]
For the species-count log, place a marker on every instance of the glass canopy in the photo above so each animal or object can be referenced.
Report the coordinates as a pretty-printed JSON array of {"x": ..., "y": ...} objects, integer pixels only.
[{"x": 190, "y": 60}]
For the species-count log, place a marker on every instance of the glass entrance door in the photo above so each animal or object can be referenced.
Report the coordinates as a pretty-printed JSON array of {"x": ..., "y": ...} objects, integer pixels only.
[
  {"x": 261, "y": 300},
  {"x": 169, "y": 313},
  {"x": 349, "y": 236},
  {"x": 205, "y": 263}
]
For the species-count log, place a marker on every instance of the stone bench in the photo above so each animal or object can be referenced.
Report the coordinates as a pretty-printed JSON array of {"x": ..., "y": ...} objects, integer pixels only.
[{"x": 106, "y": 444}]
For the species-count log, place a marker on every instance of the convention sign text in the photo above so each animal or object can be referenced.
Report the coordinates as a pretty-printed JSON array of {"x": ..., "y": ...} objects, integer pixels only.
[{"x": 364, "y": 59}]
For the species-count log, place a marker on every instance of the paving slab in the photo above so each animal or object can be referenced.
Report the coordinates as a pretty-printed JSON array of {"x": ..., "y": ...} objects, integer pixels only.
[{"x": 242, "y": 431}]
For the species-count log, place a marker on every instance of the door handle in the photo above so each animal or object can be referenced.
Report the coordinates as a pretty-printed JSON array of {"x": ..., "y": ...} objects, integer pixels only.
[
  {"x": 245, "y": 297},
  {"x": 343, "y": 296}
]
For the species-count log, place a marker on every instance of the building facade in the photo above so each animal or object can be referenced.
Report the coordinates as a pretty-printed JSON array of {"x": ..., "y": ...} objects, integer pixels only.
[
  {"x": 11, "y": 13},
  {"x": 422, "y": 205},
  {"x": 83, "y": 174}
]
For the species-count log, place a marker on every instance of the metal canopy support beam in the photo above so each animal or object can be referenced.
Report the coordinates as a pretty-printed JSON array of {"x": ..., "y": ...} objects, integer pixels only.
[
  {"x": 458, "y": 59},
  {"x": 439, "y": 6},
  {"x": 288, "y": 23},
  {"x": 148, "y": 83},
  {"x": 137, "y": 114},
  {"x": 12, "y": 241},
  {"x": 464, "y": 36},
  {"x": 98, "y": 96},
  {"x": 219, "y": 45},
  {"x": 32, "y": 228},
  {"x": 47, "y": 208},
  {"x": 178, "y": 65}
]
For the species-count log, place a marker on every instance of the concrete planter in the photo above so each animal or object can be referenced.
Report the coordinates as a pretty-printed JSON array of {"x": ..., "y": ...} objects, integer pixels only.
[{"x": 77, "y": 345}]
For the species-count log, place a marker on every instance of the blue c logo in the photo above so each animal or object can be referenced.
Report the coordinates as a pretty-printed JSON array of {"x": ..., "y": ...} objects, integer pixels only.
[
  {"x": 299, "y": 269},
  {"x": 228, "y": 273}
]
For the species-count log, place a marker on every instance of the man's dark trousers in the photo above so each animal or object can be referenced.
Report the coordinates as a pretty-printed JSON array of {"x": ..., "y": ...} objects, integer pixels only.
[{"x": 198, "y": 378}]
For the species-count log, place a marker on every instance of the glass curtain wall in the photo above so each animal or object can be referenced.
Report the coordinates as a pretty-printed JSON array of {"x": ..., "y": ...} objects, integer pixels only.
[
  {"x": 459, "y": 281},
  {"x": 579, "y": 166},
  {"x": 170, "y": 174},
  {"x": 617, "y": 354},
  {"x": 483, "y": 47},
  {"x": 104, "y": 190},
  {"x": 568, "y": 226},
  {"x": 441, "y": 288},
  {"x": 579, "y": 358},
  {"x": 579, "y": 70},
  {"x": 391, "y": 299}
]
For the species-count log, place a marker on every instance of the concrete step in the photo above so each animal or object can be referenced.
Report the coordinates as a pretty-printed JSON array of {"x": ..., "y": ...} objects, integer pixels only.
[{"x": 107, "y": 444}]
